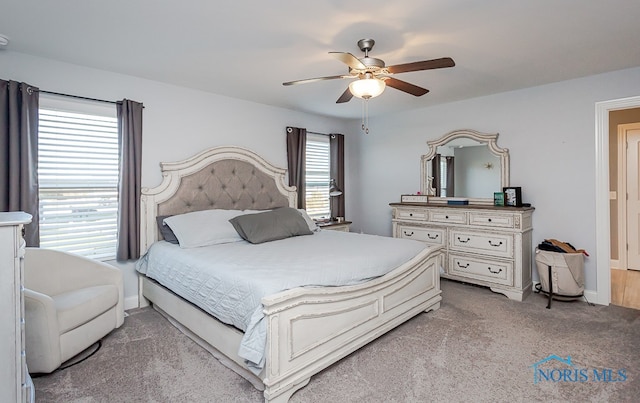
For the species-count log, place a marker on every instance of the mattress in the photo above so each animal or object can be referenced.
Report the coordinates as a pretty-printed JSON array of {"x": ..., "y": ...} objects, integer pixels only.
[{"x": 229, "y": 280}]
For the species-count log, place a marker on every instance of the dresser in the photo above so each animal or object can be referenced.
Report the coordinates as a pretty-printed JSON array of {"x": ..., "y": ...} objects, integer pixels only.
[
  {"x": 484, "y": 245},
  {"x": 15, "y": 383}
]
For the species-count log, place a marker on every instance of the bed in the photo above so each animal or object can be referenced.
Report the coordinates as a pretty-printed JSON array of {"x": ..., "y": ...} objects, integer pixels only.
[{"x": 307, "y": 328}]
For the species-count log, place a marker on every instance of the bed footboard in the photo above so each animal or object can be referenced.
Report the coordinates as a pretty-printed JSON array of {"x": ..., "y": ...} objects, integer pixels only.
[{"x": 309, "y": 329}]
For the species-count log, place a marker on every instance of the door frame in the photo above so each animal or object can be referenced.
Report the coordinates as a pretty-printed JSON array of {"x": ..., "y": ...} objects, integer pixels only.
[{"x": 603, "y": 227}]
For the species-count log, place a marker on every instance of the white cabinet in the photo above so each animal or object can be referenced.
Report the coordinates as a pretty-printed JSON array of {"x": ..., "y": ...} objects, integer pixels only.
[
  {"x": 484, "y": 245},
  {"x": 15, "y": 383}
]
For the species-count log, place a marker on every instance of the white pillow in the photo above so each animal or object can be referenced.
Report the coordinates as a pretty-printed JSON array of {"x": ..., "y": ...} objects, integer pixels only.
[
  {"x": 313, "y": 227},
  {"x": 206, "y": 227}
]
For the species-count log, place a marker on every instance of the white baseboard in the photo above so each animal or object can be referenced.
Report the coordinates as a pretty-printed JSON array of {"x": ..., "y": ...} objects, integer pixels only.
[
  {"x": 589, "y": 295},
  {"x": 131, "y": 302},
  {"x": 594, "y": 298}
]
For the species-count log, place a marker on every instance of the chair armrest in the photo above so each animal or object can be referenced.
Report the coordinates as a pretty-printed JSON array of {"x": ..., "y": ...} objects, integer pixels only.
[{"x": 42, "y": 335}]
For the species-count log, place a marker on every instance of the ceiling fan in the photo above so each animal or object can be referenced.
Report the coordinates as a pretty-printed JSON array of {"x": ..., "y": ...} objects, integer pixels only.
[{"x": 372, "y": 75}]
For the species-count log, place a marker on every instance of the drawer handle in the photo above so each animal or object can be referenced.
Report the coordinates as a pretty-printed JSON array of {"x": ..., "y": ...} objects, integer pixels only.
[
  {"x": 494, "y": 272},
  {"x": 468, "y": 239},
  {"x": 447, "y": 217},
  {"x": 462, "y": 266},
  {"x": 407, "y": 234},
  {"x": 495, "y": 244},
  {"x": 410, "y": 214},
  {"x": 489, "y": 220},
  {"x": 432, "y": 236}
]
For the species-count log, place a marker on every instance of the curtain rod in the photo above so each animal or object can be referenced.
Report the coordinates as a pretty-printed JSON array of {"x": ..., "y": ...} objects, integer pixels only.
[
  {"x": 322, "y": 134},
  {"x": 81, "y": 97}
]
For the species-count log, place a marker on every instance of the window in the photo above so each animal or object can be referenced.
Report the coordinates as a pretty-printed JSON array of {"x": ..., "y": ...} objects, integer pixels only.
[
  {"x": 78, "y": 177},
  {"x": 317, "y": 176}
]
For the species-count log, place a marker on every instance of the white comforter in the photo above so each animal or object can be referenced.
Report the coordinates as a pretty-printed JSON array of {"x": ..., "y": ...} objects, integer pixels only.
[{"x": 229, "y": 280}]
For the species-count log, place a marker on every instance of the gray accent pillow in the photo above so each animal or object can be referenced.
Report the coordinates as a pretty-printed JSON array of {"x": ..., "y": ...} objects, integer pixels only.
[
  {"x": 165, "y": 230},
  {"x": 271, "y": 225}
]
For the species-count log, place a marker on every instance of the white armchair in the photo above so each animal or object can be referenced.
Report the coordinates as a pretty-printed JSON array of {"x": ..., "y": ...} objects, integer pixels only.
[{"x": 70, "y": 303}]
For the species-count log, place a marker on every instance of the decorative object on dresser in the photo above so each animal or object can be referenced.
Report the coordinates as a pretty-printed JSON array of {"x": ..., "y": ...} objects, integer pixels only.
[
  {"x": 417, "y": 198},
  {"x": 462, "y": 177},
  {"x": 15, "y": 382},
  {"x": 484, "y": 245},
  {"x": 512, "y": 196}
]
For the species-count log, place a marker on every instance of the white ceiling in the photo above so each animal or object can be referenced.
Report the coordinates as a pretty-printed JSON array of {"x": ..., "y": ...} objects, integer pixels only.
[{"x": 246, "y": 49}]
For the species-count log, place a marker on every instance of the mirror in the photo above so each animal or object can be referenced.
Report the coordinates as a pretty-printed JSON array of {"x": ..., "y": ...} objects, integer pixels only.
[{"x": 465, "y": 163}]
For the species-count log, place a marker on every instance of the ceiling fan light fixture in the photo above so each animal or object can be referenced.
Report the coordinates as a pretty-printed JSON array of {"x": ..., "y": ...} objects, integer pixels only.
[{"x": 368, "y": 87}]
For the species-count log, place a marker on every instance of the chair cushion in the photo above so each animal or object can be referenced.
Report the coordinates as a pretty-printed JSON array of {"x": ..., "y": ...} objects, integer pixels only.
[{"x": 75, "y": 308}]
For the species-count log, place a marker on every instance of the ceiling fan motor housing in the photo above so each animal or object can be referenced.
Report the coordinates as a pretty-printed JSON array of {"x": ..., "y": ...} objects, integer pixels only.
[{"x": 372, "y": 64}]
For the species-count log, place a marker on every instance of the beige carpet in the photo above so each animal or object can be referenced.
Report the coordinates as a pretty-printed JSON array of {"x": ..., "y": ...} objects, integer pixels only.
[{"x": 478, "y": 347}]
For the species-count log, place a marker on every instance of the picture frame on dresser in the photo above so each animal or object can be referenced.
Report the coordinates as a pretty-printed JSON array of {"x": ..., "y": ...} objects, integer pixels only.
[
  {"x": 512, "y": 196},
  {"x": 498, "y": 199}
]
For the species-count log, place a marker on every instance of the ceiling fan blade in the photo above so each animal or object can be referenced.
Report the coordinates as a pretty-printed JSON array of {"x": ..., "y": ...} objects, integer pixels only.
[
  {"x": 423, "y": 65},
  {"x": 405, "y": 86},
  {"x": 345, "y": 97},
  {"x": 311, "y": 80},
  {"x": 349, "y": 59}
]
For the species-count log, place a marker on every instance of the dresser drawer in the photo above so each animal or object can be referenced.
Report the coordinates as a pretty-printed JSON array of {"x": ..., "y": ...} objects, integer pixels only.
[
  {"x": 477, "y": 242},
  {"x": 494, "y": 220},
  {"x": 412, "y": 215},
  {"x": 448, "y": 216},
  {"x": 432, "y": 236},
  {"x": 497, "y": 272}
]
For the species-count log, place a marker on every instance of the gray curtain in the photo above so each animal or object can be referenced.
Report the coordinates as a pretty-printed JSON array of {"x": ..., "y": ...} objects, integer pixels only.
[
  {"x": 130, "y": 177},
  {"x": 435, "y": 172},
  {"x": 296, "y": 160},
  {"x": 450, "y": 177},
  {"x": 336, "y": 152},
  {"x": 19, "y": 153}
]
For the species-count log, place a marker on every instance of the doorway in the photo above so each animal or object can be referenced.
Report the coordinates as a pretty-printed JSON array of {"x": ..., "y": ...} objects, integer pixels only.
[
  {"x": 628, "y": 195},
  {"x": 624, "y": 131},
  {"x": 603, "y": 193}
]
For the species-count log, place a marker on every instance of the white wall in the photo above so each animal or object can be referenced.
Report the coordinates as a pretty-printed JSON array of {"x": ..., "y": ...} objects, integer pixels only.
[
  {"x": 178, "y": 122},
  {"x": 549, "y": 131}
]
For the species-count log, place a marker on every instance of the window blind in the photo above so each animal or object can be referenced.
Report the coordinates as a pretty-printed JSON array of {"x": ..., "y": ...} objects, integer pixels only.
[
  {"x": 78, "y": 180},
  {"x": 317, "y": 176}
]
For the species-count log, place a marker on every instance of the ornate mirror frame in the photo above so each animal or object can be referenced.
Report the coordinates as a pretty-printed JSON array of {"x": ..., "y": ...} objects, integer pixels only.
[{"x": 489, "y": 139}]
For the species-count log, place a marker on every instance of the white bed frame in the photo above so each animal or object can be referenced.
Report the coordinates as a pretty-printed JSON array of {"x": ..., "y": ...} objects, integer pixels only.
[{"x": 308, "y": 329}]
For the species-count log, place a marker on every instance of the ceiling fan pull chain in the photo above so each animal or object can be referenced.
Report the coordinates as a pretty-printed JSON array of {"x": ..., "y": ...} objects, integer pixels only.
[
  {"x": 363, "y": 102},
  {"x": 365, "y": 115},
  {"x": 366, "y": 109}
]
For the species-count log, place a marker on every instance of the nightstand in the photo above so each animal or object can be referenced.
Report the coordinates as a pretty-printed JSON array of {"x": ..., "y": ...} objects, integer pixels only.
[{"x": 335, "y": 225}]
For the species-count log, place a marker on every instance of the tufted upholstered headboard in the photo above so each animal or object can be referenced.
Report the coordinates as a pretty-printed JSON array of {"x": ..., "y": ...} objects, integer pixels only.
[{"x": 218, "y": 178}]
